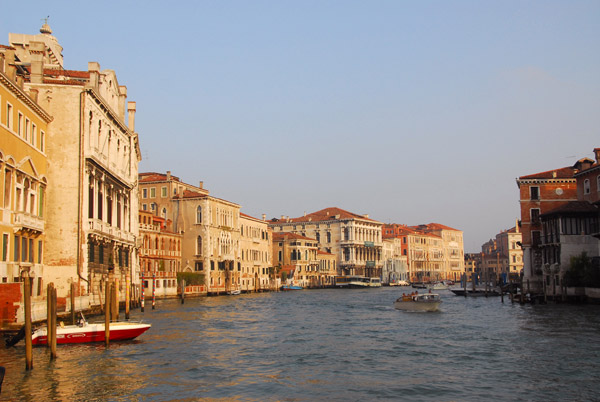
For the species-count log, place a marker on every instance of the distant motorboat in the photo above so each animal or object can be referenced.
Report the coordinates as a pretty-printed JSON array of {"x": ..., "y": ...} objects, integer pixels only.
[
  {"x": 291, "y": 287},
  {"x": 418, "y": 302},
  {"x": 437, "y": 286},
  {"x": 234, "y": 292}
]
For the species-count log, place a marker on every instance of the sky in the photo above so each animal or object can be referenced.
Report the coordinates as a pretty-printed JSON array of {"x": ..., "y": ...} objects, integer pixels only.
[{"x": 410, "y": 111}]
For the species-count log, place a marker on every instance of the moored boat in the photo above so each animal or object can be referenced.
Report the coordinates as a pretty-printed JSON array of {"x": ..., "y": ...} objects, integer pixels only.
[
  {"x": 91, "y": 332},
  {"x": 291, "y": 287},
  {"x": 418, "y": 302}
]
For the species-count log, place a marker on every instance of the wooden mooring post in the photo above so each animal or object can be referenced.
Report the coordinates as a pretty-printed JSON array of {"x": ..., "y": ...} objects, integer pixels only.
[
  {"x": 73, "y": 303},
  {"x": 107, "y": 295},
  {"x": 182, "y": 290},
  {"x": 127, "y": 296},
  {"x": 28, "y": 343},
  {"x": 142, "y": 290},
  {"x": 54, "y": 324}
]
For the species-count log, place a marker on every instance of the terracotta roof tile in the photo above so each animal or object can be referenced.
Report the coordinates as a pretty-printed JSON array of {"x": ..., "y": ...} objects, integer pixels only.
[
  {"x": 289, "y": 235},
  {"x": 327, "y": 214},
  {"x": 152, "y": 176},
  {"x": 562, "y": 173}
]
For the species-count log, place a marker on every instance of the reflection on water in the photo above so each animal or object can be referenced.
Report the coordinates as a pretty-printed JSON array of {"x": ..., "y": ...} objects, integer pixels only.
[{"x": 327, "y": 344}]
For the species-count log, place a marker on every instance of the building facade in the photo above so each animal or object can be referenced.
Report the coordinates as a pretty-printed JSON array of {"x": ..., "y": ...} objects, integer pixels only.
[
  {"x": 160, "y": 256},
  {"x": 92, "y": 225},
  {"x": 24, "y": 179},
  {"x": 540, "y": 193},
  {"x": 298, "y": 255},
  {"x": 256, "y": 243},
  {"x": 395, "y": 263},
  {"x": 354, "y": 239}
]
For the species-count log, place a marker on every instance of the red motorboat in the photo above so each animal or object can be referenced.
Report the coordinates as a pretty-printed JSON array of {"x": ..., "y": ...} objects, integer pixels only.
[{"x": 91, "y": 332}]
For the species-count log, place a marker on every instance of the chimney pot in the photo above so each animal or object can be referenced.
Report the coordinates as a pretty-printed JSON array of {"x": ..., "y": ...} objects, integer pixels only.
[
  {"x": 201, "y": 184},
  {"x": 131, "y": 115}
]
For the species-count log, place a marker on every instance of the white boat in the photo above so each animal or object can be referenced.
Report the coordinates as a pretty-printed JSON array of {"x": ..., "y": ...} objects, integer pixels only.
[
  {"x": 91, "y": 332},
  {"x": 234, "y": 292},
  {"x": 437, "y": 286},
  {"x": 419, "y": 302}
]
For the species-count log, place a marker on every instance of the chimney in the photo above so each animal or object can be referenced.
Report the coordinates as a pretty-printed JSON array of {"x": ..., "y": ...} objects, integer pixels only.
[
  {"x": 10, "y": 68},
  {"x": 554, "y": 174},
  {"x": 282, "y": 217},
  {"x": 304, "y": 213},
  {"x": 264, "y": 216},
  {"x": 131, "y": 115},
  {"x": 94, "y": 70},
  {"x": 168, "y": 175},
  {"x": 36, "y": 51},
  {"x": 33, "y": 93},
  {"x": 122, "y": 100},
  {"x": 517, "y": 225},
  {"x": 201, "y": 184},
  {"x": 597, "y": 154}
]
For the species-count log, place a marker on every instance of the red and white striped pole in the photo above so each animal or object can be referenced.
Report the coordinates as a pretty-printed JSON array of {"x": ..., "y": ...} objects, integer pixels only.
[
  {"x": 153, "y": 290},
  {"x": 143, "y": 291}
]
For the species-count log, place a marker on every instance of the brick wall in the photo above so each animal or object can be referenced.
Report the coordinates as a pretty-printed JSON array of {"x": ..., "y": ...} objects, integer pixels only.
[{"x": 10, "y": 300}]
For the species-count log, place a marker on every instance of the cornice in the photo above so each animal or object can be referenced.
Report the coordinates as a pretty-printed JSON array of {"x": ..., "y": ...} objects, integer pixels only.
[
  {"x": 25, "y": 98},
  {"x": 541, "y": 181}
]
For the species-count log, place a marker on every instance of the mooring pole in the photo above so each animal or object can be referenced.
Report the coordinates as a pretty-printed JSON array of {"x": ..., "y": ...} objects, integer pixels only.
[
  {"x": 49, "y": 314},
  {"x": 107, "y": 314},
  {"x": 182, "y": 290},
  {"x": 28, "y": 344},
  {"x": 54, "y": 323},
  {"x": 142, "y": 291},
  {"x": 153, "y": 291},
  {"x": 127, "y": 296},
  {"x": 73, "y": 303}
]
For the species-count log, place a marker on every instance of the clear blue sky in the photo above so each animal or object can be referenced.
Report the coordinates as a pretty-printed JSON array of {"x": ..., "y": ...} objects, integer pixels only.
[{"x": 410, "y": 111}]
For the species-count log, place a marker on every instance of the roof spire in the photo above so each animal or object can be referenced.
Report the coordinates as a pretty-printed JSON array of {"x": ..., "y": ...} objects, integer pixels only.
[{"x": 45, "y": 29}]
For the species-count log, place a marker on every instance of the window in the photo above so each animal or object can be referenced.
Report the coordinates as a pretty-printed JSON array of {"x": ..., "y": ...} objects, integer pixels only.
[
  {"x": 199, "y": 266},
  {"x": 328, "y": 237},
  {"x": 7, "y": 187},
  {"x": 199, "y": 245},
  {"x": 535, "y": 238},
  {"x": 20, "y": 125},
  {"x": 42, "y": 141},
  {"x": 535, "y": 215},
  {"x": 199, "y": 214},
  {"x": 144, "y": 207},
  {"x": 5, "y": 247},
  {"x": 33, "y": 134},
  {"x": 280, "y": 255},
  {"x": 586, "y": 186},
  {"x": 535, "y": 192},
  {"x": 16, "y": 253},
  {"x": 153, "y": 192},
  {"x": 9, "y": 116},
  {"x": 144, "y": 193},
  {"x": 163, "y": 192},
  {"x": 91, "y": 252}
]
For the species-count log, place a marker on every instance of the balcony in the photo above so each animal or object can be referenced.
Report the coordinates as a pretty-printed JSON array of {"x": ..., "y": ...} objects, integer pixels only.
[
  {"x": 28, "y": 222},
  {"x": 105, "y": 229}
]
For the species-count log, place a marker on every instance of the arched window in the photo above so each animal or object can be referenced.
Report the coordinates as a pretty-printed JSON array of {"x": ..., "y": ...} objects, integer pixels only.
[
  {"x": 199, "y": 214},
  {"x": 199, "y": 246},
  {"x": 586, "y": 186}
]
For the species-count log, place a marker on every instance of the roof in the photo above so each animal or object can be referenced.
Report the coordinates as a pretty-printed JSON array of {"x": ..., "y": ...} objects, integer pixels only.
[
  {"x": 191, "y": 194},
  {"x": 289, "y": 235},
  {"x": 562, "y": 173},
  {"x": 573, "y": 208},
  {"x": 320, "y": 252},
  {"x": 434, "y": 226},
  {"x": 327, "y": 214},
  {"x": 152, "y": 176}
]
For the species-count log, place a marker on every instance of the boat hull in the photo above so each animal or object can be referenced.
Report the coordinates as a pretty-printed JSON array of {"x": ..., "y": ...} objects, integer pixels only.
[
  {"x": 417, "y": 306},
  {"x": 91, "y": 333}
]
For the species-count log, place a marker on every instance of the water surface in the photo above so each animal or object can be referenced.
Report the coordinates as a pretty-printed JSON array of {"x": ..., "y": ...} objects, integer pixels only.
[{"x": 327, "y": 344}]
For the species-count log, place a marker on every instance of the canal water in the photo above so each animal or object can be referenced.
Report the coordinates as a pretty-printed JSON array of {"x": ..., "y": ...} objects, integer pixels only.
[{"x": 330, "y": 344}]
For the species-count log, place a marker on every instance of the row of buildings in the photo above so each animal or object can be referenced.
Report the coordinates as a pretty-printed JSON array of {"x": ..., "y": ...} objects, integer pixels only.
[
  {"x": 75, "y": 211},
  {"x": 560, "y": 219},
  {"x": 560, "y": 216}
]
